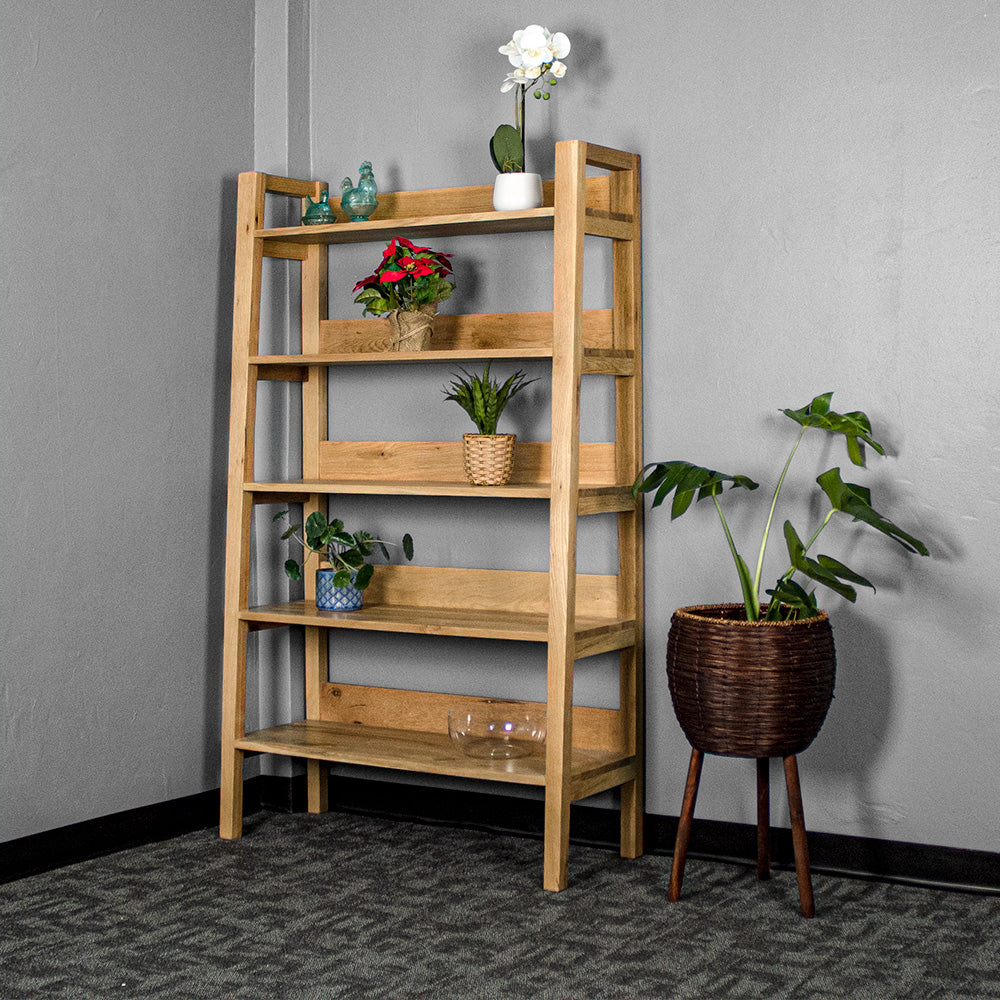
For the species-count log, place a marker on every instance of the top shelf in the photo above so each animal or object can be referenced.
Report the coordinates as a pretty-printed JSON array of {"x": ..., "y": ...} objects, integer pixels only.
[
  {"x": 536, "y": 220},
  {"x": 450, "y": 212}
]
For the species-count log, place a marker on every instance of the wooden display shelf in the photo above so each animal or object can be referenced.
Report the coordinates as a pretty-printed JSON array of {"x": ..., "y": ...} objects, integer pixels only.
[
  {"x": 428, "y": 753},
  {"x": 591, "y": 634},
  {"x": 588, "y": 749},
  {"x": 525, "y": 336},
  {"x": 295, "y": 367}
]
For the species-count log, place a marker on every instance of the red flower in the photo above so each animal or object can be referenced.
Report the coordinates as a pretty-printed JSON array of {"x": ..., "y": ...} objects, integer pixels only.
[{"x": 366, "y": 281}]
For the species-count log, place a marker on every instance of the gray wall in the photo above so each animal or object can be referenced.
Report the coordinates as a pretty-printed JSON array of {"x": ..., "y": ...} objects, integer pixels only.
[
  {"x": 821, "y": 213},
  {"x": 124, "y": 125}
]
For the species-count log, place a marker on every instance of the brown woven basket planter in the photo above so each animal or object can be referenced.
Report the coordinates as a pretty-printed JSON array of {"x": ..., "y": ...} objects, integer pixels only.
[
  {"x": 749, "y": 689},
  {"x": 488, "y": 458}
]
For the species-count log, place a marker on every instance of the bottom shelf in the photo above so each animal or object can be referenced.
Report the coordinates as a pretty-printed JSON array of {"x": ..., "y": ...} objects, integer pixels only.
[{"x": 431, "y": 753}]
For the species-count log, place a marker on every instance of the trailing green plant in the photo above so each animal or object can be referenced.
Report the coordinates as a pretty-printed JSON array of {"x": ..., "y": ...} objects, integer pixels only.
[
  {"x": 789, "y": 600},
  {"x": 345, "y": 551},
  {"x": 484, "y": 398}
]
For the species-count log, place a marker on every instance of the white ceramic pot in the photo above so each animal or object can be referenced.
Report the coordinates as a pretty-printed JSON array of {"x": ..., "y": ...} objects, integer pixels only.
[{"x": 517, "y": 192}]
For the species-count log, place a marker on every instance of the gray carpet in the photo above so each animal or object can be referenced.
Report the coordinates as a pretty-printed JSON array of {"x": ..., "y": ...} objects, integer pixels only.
[{"x": 340, "y": 906}]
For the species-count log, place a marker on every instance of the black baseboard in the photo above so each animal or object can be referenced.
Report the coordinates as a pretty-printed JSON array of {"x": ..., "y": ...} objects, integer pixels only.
[
  {"x": 835, "y": 854},
  {"x": 67, "y": 845}
]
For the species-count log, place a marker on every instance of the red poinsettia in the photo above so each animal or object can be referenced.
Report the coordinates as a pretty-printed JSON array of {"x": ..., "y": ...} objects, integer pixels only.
[{"x": 408, "y": 277}]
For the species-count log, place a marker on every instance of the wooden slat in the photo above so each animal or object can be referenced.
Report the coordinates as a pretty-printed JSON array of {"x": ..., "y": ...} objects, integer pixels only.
[
  {"x": 441, "y": 461},
  {"x": 595, "y": 728},
  {"x": 277, "y": 372},
  {"x": 520, "y": 591},
  {"x": 284, "y": 250},
  {"x": 509, "y": 332}
]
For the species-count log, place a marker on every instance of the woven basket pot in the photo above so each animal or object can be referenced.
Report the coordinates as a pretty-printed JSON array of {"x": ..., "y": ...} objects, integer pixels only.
[
  {"x": 749, "y": 689},
  {"x": 488, "y": 458},
  {"x": 411, "y": 331}
]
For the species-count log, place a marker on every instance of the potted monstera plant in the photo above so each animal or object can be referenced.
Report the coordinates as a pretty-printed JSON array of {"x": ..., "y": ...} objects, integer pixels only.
[
  {"x": 754, "y": 633},
  {"x": 344, "y": 572},
  {"x": 755, "y": 679},
  {"x": 488, "y": 457}
]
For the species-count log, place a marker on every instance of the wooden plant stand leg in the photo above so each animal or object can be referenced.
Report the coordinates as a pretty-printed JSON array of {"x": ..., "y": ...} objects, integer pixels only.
[
  {"x": 684, "y": 826},
  {"x": 799, "y": 841},
  {"x": 763, "y": 818}
]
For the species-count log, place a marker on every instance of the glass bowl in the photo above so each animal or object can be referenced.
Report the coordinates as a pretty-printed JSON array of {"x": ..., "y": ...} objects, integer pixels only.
[{"x": 500, "y": 730}]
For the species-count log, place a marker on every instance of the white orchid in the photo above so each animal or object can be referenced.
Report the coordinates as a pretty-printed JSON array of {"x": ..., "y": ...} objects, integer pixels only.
[
  {"x": 534, "y": 52},
  {"x": 534, "y": 46}
]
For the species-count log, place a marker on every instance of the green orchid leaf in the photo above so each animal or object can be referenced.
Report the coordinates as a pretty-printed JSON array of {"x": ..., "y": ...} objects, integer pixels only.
[
  {"x": 856, "y": 427},
  {"x": 688, "y": 480},
  {"x": 364, "y": 576},
  {"x": 849, "y": 498},
  {"x": 293, "y": 570},
  {"x": 507, "y": 150}
]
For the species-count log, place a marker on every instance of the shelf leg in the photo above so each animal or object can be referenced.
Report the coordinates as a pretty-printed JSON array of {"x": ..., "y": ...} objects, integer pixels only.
[
  {"x": 234, "y": 694},
  {"x": 317, "y": 772},
  {"x": 632, "y": 819},
  {"x": 231, "y": 797}
]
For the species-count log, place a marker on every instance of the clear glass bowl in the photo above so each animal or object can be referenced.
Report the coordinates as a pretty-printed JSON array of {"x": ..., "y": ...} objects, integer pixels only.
[{"x": 500, "y": 730}]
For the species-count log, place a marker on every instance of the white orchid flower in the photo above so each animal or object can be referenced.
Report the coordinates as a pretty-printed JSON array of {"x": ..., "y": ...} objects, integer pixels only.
[
  {"x": 559, "y": 44},
  {"x": 523, "y": 75},
  {"x": 558, "y": 69},
  {"x": 533, "y": 46}
]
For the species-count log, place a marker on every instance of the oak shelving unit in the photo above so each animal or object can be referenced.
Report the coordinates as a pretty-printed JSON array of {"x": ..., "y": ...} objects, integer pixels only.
[{"x": 588, "y": 750}]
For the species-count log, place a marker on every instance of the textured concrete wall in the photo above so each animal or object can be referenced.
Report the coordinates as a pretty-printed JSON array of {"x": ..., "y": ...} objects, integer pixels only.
[
  {"x": 124, "y": 125},
  {"x": 821, "y": 213}
]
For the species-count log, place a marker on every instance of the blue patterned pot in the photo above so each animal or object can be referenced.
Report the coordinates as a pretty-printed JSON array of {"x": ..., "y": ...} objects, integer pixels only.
[{"x": 332, "y": 598}]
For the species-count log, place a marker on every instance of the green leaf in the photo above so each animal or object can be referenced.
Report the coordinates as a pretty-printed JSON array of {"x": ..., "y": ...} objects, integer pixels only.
[
  {"x": 507, "y": 150},
  {"x": 290, "y": 532},
  {"x": 279, "y": 516},
  {"x": 849, "y": 498},
  {"x": 827, "y": 571},
  {"x": 342, "y": 578},
  {"x": 799, "y": 602},
  {"x": 856, "y": 427},
  {"x": 352, "y": 557},
  {"x": 293, "y": 570},
  {"x": 364, "y": 576},
  {"x": 750, "y": 601},
  {"x": 407, "y": 546},
  {"x": 686, "y": 481}
]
